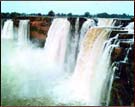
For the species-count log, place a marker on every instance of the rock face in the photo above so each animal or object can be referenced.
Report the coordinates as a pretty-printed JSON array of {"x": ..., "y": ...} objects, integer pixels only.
[
  {"x": 73, "y": 21},
  {"x": 81, "y": 21},
  {"x": 38, "y": 29},
  {"x": 123, "y": 22},
  {"x": 122, "y": 57},
  {"x": 125, "y": 36},
  {"x": 16, "y": 22},
  {"x": 118, "y": 54},
  {"x": 115, "y": 32},
  {"x": 122, "y": 92},
  {"x": 124, "y": 44},
  {"x": 2, "y": 22}
]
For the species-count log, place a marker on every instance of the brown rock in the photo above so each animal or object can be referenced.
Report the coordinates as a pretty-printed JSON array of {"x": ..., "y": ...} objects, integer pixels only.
[
  {"x": 117, "y": 54},
  {"x": 125, "y": 36},
  {"x": 123, "y": 22},
  {"x": 16, "y": 22},
  {"x": 39, "y": 27},
  {"x": 37, "y": 35},
  {"x": 115, "y": 32},
  {"x": 72, "y": 21},
  {"x": 81, "y": 21},
  {"x": 124, "y": 44}
]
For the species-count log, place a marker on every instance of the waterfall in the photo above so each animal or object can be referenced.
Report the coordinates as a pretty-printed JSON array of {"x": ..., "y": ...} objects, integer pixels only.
[
  {"x": 23, "y": 32},
  {"x": 2, "y": 23},
  {"x": 110, "y": 45},
  {"x": 73, "y": 68},
  {"x": 56, "y": 41},
  {"x": 86, "y": 25},
  {"x": 7, "y": 31},
  {"x": 83, "y": 80},
  {"x": 74, "y": 42},
  {"x": 130, "y": 27},
  {"x": 87, "y": 81},
  {"x": 103, "y": 22},
  {"x": 107, "y": 70},
  {"x": 72, "y": 46}
]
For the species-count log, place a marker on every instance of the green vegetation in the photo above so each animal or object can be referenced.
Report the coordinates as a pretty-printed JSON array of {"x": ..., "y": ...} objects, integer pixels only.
[{"x": 52, "y": 14}]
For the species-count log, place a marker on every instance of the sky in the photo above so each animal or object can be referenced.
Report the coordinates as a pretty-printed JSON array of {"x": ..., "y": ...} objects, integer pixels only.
[{"x": 75, "y": 7}]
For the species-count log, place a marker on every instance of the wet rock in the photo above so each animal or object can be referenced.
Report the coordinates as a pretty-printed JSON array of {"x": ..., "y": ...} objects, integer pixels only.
[
  {"x": 131, "y": 54},
  {"x": 72, "y": 21},
  {"x": 16, "y": 22},
  {"x": 37, "y": 35},
  {"x": 96, "y": 20},
  {"x": 123, "y": 22},
  {"x": 117, "y": 22},
  {"x": 114, "y": 41},
  {"x": 118, "y": 54},
  {"x": 124, "y": 44},
  {"x": 122, "y": 92},
  {"x": 2, "y": 22},
  {"x": 38, "y": 42},
  {"x": 39, "y": 28},
  {"x": 115, "y": 32},
  {"x": 125, "y": 36},
  {"x": 81, "y": 21}
]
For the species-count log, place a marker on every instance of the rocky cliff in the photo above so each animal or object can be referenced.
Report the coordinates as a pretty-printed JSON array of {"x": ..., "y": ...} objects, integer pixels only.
[
  {"x": 39, "y": 27},
  {"x": 122, "y": 57}
]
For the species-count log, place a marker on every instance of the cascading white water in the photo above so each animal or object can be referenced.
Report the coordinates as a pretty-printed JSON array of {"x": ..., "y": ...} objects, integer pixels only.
[
  {"x": 33, "y": 70},
  {"x": 23, "y": 32},
  {"x": 72, "y": 46},
  {"x": 56, "y": 41},
  {"x": 103, "y": 22},
  {"x": 7, "y": 31},
  {"x": 85, "y": 73},
  {"x": 39, "y": 75},
  {"x": 87, "y": 80},
  {"x": 130, "y": 27},
  {"x": 74, "y": 42},
  {"x": 109, "y": 73},
  {"x": 86, "y": 25}
]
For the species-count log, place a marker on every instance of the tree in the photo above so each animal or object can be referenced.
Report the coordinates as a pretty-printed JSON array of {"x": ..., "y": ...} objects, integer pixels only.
[
  {"x": 69, "y": 14},
  {"x": 58, "y": 14},
  {"x": 14, "y": 14},
  {"x": 87, "y": 14},
  {"x": 51, "y": 13},
  {"x": 5, "y": 15},
  {"x": 103, "y": 15},
  {"x": 39, "y": 14}
]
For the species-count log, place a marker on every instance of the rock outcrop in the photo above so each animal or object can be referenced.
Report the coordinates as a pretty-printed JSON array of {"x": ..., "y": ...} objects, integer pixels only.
[
  {"x": 72, "y": 21},
  {"x": 38, "y": 29},
  {"x": 122, "y": 57}
]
